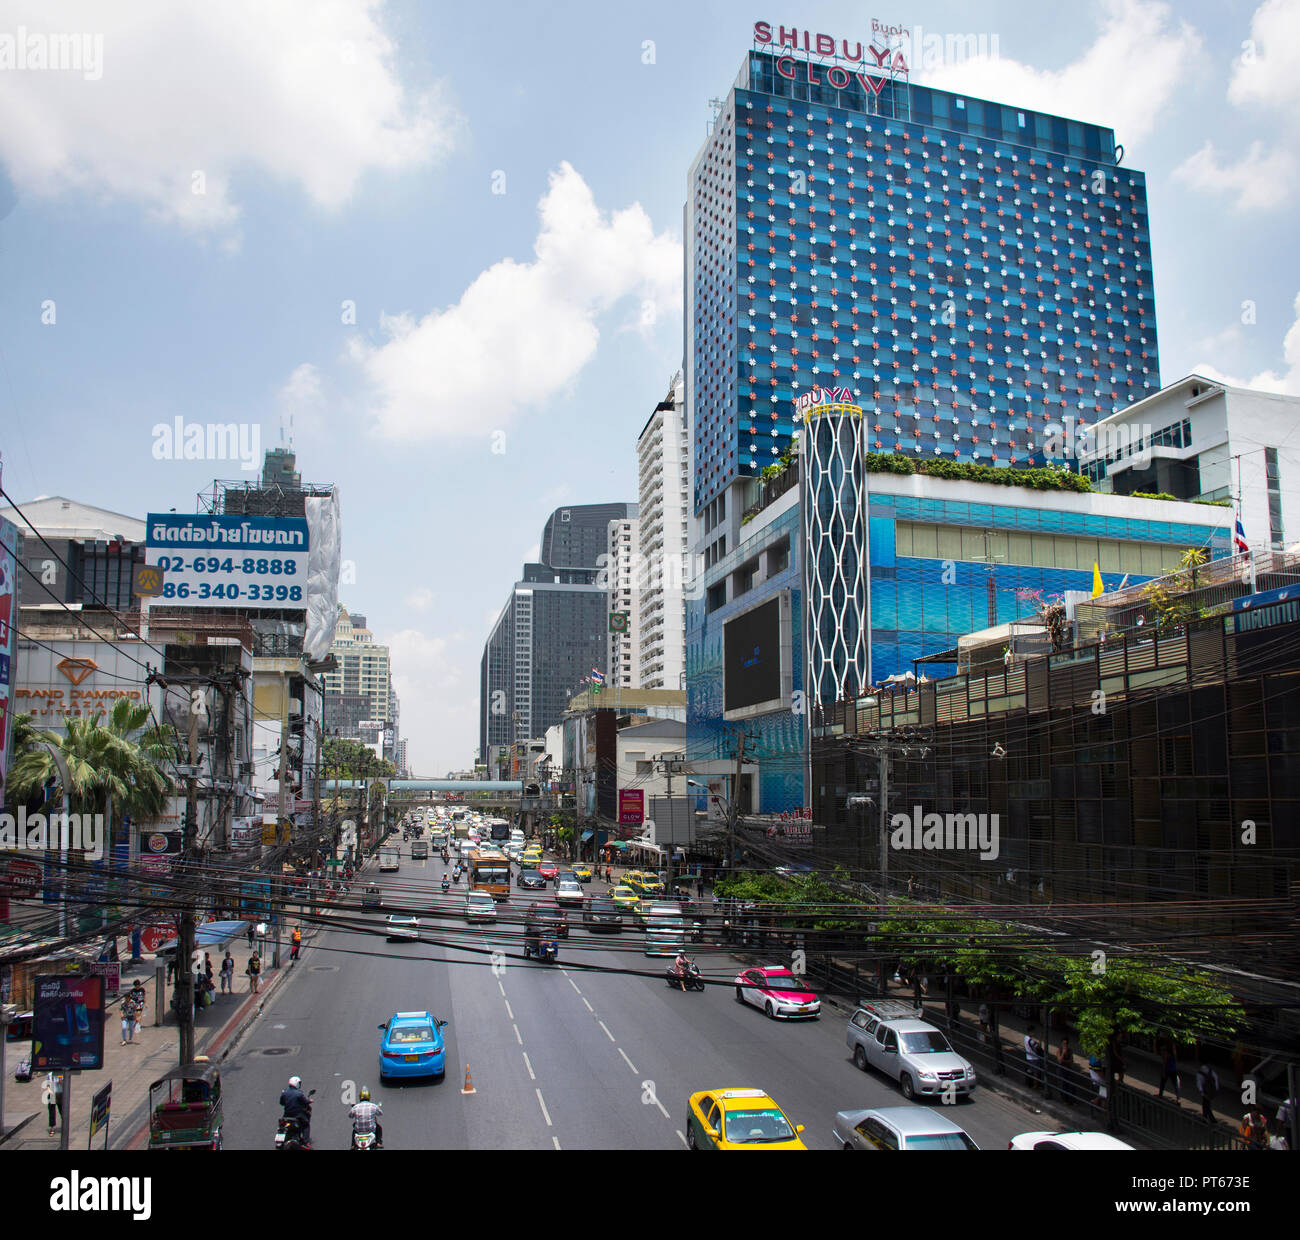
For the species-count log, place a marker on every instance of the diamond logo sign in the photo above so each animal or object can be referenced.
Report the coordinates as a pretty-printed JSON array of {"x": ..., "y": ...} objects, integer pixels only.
[{"x": 76, "y": 670}]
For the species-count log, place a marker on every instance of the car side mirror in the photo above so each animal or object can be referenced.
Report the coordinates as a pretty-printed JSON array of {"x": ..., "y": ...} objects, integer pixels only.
[
  {"x": 381, "y": 1026},
  {"x": 442, "y": 1024},
  {"x": 798, "y": 1128},
  {"x": 711, "y": 1133}
]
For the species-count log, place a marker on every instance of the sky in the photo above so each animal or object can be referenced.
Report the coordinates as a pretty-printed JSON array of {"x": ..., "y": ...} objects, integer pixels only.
[{"x": 439, "y": 248}]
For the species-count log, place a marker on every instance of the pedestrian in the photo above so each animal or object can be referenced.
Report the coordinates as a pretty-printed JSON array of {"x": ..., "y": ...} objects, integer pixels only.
[
  {"x": 1065, "y": 1072},
  {"x": 1254, "y": 1130},
  {"x": 1033, "y": 1058},
  {"x": 297, "y": 943},
  {"x": 254, "y": 973},
  {"x": 1098, "y": 1079},
  {"x": 1207, "y": 1083},
  {"x": 137, "y": 945},
  {"x": 250, "y": 936},
  {"x": 985, "y": 1018},
  {"x": 128, "y": 1018},
  {"x": 136, "y": 999},
  {"x": 207, "y": 971},
  {"x": 52, "y": 1096},
  {"x": 228, "y": 974},
  {"x": 1169, "y": 1072},
  {"x": 1284, "y": 1114}
]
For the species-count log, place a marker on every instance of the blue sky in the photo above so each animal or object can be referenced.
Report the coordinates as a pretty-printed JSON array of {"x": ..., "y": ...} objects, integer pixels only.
[{"x": 497, "y": 190}]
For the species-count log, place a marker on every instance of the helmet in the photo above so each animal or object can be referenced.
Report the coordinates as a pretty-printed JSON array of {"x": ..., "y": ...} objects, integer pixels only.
[
  {"x": 364, "y": 1095},
  {"x": 295, "y": 1082}
]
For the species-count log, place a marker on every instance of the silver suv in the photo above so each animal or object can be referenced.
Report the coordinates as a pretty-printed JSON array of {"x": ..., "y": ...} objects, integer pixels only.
[{"x": 888, "y": 1036}]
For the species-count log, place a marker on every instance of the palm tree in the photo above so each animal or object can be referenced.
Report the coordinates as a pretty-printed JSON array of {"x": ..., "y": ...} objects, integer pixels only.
[{"x": 114, "y": 763}]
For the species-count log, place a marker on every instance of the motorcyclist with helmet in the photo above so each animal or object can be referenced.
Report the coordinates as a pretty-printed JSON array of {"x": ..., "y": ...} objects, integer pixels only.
[
  {"x": 365, "y": 1118},
  {"x": 297, "y": 1107}
]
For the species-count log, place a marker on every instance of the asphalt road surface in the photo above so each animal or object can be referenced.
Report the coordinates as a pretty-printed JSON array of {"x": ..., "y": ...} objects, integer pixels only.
[{"x": 585, "y": 1053}]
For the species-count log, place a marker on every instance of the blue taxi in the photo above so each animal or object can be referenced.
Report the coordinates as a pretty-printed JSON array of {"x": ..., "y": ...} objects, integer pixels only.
[{"x": 411, "y": 1044}]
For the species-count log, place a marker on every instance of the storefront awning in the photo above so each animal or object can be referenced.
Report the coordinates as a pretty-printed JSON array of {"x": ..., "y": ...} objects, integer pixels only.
[{"x": 586, "y": 835}]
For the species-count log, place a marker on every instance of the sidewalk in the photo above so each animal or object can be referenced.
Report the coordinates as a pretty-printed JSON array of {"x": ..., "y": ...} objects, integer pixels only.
[{"x": 134, "y": 1067}]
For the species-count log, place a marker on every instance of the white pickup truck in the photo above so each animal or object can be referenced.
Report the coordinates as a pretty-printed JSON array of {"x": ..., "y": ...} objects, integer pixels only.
[{"x": 889, "y": 1037}]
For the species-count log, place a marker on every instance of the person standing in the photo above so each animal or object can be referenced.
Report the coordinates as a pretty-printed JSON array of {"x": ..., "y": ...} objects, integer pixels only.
[
  {"x": 52, "y": 1096},
  {"x": 1207, "y": 1083},
  {"x": 1065, "y": 1072},
  {"x": 1033, "y": 1058},
  {"x": 136, "y": 999},
  {"x": 228, "y": 974},
  {"x": 1254, "y": 1129},
  {"x": 128, "y": 1017},
  {"x": 207, "y": 971},
  {"x": 297, "y": 943},
  {"x": 1169, "y": 1072},
  {"x": 250, "y": 936},
  {"x": 254, "y": 973}
]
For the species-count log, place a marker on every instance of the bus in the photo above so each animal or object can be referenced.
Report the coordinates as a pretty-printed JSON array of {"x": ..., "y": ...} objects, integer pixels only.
[
  {"x": 499, "y": 829},
  {"x": 489, "y": 870}
]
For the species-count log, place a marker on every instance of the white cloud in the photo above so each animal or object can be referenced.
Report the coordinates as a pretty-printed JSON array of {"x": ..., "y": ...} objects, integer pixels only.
[
  {"x": 1286, "y": 382},
  {"x": 300, "y": 401},
  {"x": 439, "y": 702},
  {"x": 421, "y": 598},
  {"x": 1259, "y": 180},
  {"x": 1124, "y": 79},
  {"x": 304, "y": 91},
  {"x": 1268, "y": 70},
  {"x": 521, "y": 332}
]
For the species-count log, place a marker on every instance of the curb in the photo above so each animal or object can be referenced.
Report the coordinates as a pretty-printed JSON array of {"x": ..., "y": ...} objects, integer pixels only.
[{"x": 17, "y": 1128}]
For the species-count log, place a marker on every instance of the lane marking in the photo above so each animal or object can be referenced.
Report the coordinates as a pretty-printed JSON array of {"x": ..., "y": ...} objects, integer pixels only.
[
  {"x": 682, "y": 1137},
  {"x": 626, "y": 1060},
  {"x": 502, "y": 988},
  {"x": 532, "y": 1076},
  {"x": 508, "y": 1010},
  {"x": 574, "y": 985},
  {"x": 557, "y": 1142},
  {"x": 605, "y": 1027},
  {"x": 662, "y": 1111},
  {"x": 591, "y": 1009},
  {"x": 518, "y": 1036},
  {"x": 541, "y": 1102}
]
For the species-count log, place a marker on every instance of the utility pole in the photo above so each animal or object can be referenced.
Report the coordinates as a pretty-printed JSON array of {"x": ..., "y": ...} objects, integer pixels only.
[
  {"x": 186, "y": 940},
  {"x": 884, "y": 819},
  {"x": 733, "y": 813}
]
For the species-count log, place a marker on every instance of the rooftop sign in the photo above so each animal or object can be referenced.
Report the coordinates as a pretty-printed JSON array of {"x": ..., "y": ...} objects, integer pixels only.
[{"x": 881, "y": 58}]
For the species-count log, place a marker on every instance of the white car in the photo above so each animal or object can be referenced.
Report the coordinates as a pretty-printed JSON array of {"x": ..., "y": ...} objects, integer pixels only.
[
  {"x": 1067, "y": 1141},
  {"x": 400, "y": 926},
  {"x": 479, "y": 906},
  {"x": 568, "y": 891}
]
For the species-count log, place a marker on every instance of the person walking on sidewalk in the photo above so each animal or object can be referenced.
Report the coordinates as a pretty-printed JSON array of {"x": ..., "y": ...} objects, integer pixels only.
[
  {"x": 1207, "y": 1083},
  {"x": 1033, "y": 1058},
  {"x": 1169, "y": 1072},
  {"x": 228, "y": 974},
  {"x": 132, "y": 1010},
  {"x": 250, "y": 936},
  {"x": 254, "y": 973},
  {"x": 1254, "y": 1129},
  {"x": 297, "y": 943},
  {"x": 1065, "y": 1072}
]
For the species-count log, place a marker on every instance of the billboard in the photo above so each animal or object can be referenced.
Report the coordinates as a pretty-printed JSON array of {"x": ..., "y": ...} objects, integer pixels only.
[
  {"x": 68, "y": 1023},
  {"x": 757, "y": 649},
  {"x": 631, "y": 807},
  {"x": 221, "y": 561}
]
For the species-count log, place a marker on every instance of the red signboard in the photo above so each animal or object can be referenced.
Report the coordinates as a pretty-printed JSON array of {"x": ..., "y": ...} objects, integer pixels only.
[
  {"x": 20, "y": 877},
  {"x": 631, "y": 806}
]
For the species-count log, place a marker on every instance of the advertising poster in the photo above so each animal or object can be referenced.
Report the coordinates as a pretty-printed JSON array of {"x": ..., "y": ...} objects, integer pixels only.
[
  {"x": 631, "y": 807},
  {"x": 68, "y": 1023}
]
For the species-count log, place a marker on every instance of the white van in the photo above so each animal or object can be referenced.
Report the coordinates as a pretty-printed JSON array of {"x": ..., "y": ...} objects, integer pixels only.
[{"x": 665, "y": 930}]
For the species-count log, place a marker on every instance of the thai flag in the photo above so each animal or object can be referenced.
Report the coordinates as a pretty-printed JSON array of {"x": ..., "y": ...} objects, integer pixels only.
[
  {"x": 1239, "y": 540},
  {"x": 597, "y": 677}
]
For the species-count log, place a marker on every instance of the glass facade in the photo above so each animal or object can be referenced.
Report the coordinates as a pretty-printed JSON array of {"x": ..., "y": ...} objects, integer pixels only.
[{"x": 972, "y": 271}]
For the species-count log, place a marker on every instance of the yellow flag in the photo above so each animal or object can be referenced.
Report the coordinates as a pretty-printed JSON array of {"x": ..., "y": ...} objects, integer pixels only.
[{"x": 1097, "y": 587}]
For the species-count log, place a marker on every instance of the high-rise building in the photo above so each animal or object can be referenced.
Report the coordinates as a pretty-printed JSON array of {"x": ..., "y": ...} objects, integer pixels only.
[
  {"x": 967, "y": 273},
  {"x": 624, "y": 602},
  {"x": 363, "y": 665},
  {"x": 665, "y": 561},
  {"x": 551, "y": 632}
]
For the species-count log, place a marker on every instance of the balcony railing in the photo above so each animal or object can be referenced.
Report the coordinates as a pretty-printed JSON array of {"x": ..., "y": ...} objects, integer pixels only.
[{"x": 771, "y": 489}]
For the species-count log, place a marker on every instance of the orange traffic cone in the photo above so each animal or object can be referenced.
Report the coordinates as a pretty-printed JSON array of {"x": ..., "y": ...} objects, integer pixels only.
[{"x": 469, "y": 1083}]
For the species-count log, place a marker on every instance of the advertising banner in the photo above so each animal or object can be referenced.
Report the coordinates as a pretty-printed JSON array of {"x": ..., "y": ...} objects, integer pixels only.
[
  {"x": 631, "y": 806},
  {"x": 68, "y": 1023},
  {"x": 220, "y": 561},
  {"x": 21, "y": 877},
  {"x": 100, "y": 1106}
]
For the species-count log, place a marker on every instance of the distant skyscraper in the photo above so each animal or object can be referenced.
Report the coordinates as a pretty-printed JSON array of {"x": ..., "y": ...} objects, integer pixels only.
[
  {"x": 664, "y": 557},
  {"x": 363, "y": 665},
  {"x": 624, "y": 600}
]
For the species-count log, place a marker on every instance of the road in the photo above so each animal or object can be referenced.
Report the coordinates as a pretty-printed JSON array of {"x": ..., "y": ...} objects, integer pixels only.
[{"x": 585, "y": 1053}]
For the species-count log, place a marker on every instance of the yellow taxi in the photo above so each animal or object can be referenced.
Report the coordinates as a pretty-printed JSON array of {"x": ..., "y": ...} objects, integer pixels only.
[
  {"x": 739, "y": 1119},
  {"x": 625, "y": 897},
  {"x": 582, "y": 870},
  {"x": 644, "y": 882},
  {"x": 531, "y": 858}
]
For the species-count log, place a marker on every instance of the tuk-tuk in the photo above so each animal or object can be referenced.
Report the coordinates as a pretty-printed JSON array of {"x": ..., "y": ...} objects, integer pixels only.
[
  {"x": 540, "y": 941},
  {"x": 185, "y": 1108}
]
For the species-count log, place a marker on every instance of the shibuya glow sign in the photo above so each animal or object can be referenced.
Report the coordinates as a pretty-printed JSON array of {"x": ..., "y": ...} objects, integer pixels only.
[{"x": 881, "y": 59}]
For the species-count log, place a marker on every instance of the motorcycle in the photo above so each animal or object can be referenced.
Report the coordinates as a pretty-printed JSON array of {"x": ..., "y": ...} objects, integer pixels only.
[
  {"x": 446, "y": 884},
  {"x": 290, "y": 1132},
  {"x": 364, "y": 1141},
  {"x": 690, "y": 980}
]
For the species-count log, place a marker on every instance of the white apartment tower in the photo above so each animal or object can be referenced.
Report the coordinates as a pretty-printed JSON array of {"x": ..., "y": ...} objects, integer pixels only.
[
  {"x": 620, "y": 646},
  {"x": 664, "y": 564}
]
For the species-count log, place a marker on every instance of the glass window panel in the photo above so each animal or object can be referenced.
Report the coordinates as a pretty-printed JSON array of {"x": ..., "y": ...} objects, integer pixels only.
[
  {"x": 902, "y": 537},
  {"x": 950, "y": 543},
  {"x": 1110, "y": 556},
  {"x": 972, "y": 545},
  {"x": 1020, "y": 549},
  {"x": 1044, "y": 550},
  {"x": 925, "y": 541}
]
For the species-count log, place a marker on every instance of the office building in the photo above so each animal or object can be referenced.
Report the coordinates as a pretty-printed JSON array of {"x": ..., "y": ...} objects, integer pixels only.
[
  {"x": 362, "y": 666},
  {"x": 624, "y": 603}
]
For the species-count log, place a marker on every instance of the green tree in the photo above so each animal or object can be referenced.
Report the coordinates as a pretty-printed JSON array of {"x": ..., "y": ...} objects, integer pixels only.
[{"x": 348, "y": 759}]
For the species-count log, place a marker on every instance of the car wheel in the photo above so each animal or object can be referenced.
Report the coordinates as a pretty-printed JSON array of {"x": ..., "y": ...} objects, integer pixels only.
[
  {"x": 860, "y": 1057},
  {"x": 771, "y": 1015},
  {"x": 740, "y": 996},
  {"x": 905, "y": 1084},
  {"x": 690, "y": 1135}
]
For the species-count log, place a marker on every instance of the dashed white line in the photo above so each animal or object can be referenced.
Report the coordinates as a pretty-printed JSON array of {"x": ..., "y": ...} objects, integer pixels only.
[
  {"x": 591, "y": 1009},
  {"x": 532, "y": 1076},
  {"x": 662, "y": 1109},
  {"x": 509, "y": 1011},
  {"x": 605, "y": 1027},
  {"x": 541, "y": 1102},
  {"x": 626, "y": 1060},
  {"x": 519, "y": 1037},
  {"x": 502, "y": 988},
  {"x": 557, "y": 1142},
  {"x": 682, "y": 1138},
  {"x": 574, "y": 985}
]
